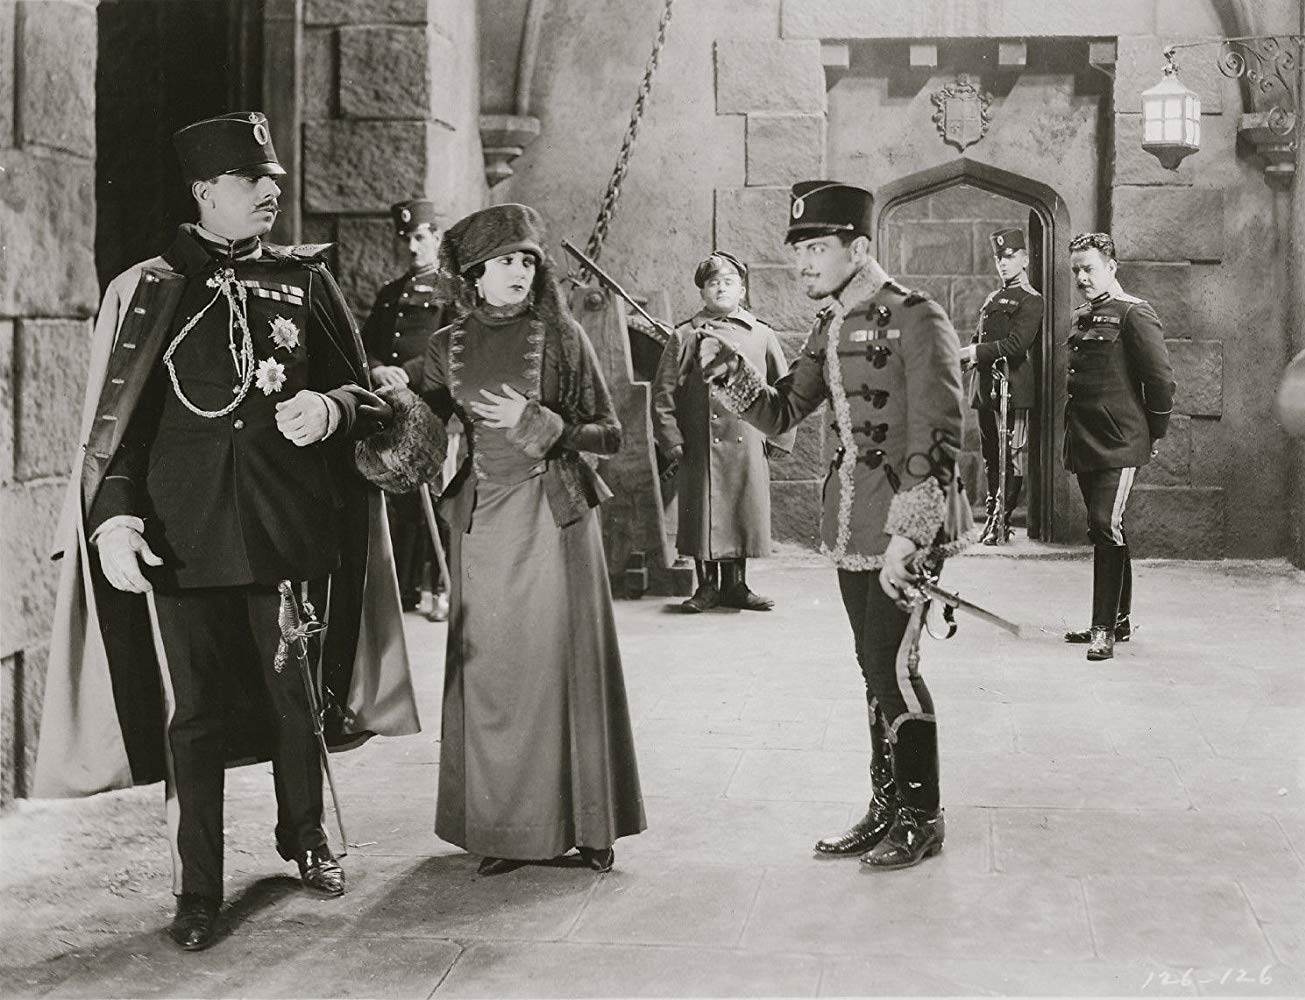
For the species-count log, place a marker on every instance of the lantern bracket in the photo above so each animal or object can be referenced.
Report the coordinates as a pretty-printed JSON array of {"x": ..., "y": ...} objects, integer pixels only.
[{"x": 1268, "y": 63}]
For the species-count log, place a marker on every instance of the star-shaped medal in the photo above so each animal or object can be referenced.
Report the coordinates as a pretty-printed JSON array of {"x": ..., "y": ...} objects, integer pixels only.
[
  {"x": 270, "y": 376},
  {"x": 284, "y": 333}
]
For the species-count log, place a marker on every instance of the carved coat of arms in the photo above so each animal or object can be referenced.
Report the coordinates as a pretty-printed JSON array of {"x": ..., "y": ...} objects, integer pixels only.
[{"x": 962, "y": 114}]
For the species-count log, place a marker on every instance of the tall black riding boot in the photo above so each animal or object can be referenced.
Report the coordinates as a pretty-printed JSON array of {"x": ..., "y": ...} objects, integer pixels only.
[
  {"x": 707, "y": 596},
  {"x": 1107, "y": 582},
  {"x": 1014, "y": 487},
  {"x": 917, "y": 830},
  {"x": 988, "y": 536},
  {"x": 735, "y": 593},
  {"x": 871, "y": 827}
]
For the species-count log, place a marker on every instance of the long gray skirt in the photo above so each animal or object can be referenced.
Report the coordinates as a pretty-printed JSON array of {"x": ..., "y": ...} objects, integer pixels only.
[{"x": 537, "y": 755}]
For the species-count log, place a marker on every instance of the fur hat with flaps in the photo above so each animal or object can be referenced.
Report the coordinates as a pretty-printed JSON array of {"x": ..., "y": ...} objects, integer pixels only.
[{"x": 493, "y": 232}]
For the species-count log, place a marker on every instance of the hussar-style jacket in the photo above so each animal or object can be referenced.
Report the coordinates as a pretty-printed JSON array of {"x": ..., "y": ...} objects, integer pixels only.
[{"x": 886, "y": 359}]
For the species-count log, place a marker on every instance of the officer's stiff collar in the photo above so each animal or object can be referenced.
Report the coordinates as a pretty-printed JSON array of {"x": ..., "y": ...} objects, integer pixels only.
[
  {"x": 740, "y": 316},
  {"x": 194, "y": 249}
]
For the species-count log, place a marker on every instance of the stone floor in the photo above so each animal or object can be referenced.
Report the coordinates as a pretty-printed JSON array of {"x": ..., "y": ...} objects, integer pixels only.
[{"x": 1135, "y": 827}]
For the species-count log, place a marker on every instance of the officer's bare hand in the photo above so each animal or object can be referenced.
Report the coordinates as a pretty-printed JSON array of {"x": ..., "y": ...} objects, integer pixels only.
[
  {"x": 967, "y": 354},
  {"x": 501, "y": 411},
  {"x": 389, "y": 376},
  {"x": 897, "y": 574},
  {"x": 304, "y": 419},
  {"x": 121, "y": 550},
  {"x": 717, "y": 359}
]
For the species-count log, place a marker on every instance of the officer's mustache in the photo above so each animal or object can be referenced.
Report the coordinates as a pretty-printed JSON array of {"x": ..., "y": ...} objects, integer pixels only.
[{"x": 269, "y": 205}]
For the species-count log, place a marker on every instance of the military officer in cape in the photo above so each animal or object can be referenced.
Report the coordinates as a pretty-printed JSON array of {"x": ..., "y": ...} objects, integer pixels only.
[
  {"x": 406, "y": 312},
  {"x": 724, "y": 476},
  {"x": 227, "y": 387},
  {"x": 886, "y": 360},
  {"x": 1120, "y": 395},
  {"x": 1009, "y": 323}
]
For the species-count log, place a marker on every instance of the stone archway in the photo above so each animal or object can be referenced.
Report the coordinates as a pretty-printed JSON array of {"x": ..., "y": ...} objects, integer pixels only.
[{"x": 1051, "y": 495}]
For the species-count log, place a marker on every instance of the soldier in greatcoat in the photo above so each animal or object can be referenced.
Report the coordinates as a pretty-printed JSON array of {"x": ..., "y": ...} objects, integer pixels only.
[
  {"x": 886, "y": 360},
  {"x": 1009, "y": 324},
  {"x": 406, "y": 312},
  {"x": 724, "y": 476},
  {"x": 1117, "y": 406},
  {"x": 227, "y": 387}
]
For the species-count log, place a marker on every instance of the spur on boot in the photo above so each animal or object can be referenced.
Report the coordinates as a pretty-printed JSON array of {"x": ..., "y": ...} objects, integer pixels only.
[
  {"x": 1123, "y": 632},
  {"x": 916, "y": 834}
]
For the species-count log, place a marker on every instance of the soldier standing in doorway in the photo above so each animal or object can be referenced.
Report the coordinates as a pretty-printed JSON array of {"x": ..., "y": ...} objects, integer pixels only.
[
  {"x": 1009, "y": 324},
  {"x": 887, "y": 361},
  {"x": 724, "y": 478},
  {"x": 406, "y": 312},
  {"x": 1120, "y": 395}
]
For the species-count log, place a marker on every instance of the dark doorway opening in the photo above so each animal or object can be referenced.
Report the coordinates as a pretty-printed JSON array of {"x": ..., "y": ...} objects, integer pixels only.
[
  {"x": 933, "y": 230},
  {"x": 162, "y": 64}
]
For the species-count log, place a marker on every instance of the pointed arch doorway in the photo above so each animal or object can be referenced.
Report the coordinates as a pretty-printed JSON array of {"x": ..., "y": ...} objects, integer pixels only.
[{"x": 932, "y": 227}]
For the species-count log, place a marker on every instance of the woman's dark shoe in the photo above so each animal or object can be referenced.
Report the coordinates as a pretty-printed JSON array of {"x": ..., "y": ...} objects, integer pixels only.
[
  {"x": 194, "y": 927},
  {"x": 320, "y": 872},
  {"x": 600, "y": 859},
  {"x": 497, "y": 866}
]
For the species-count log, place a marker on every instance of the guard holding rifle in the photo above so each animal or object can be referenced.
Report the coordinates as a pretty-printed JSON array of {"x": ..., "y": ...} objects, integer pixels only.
[
  {"x": 1002, "y": 378},
  {"x": 885, "y": 359},
  {"x": 724, "y": 478},
  {"x": 406, "y": 312},
  {"x": 227, "y": 389}
]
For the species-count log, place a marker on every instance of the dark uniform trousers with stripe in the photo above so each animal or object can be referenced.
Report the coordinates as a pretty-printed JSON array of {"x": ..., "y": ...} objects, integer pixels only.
[
  {"x": 232, "y": 507},
  {"x": 405, "y": 314},
  {"x": 1120, "y": 395}
]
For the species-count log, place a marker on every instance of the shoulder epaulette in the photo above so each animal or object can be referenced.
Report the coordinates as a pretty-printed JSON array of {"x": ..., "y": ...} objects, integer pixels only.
[{"x": 1131, "y": 299}]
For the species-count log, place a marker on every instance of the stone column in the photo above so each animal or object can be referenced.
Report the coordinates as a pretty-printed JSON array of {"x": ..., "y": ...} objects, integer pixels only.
[
  {"x": 48, "y": 292},
  {"x": 779, "y": 88},
  {"x": 390, "y": 112}
]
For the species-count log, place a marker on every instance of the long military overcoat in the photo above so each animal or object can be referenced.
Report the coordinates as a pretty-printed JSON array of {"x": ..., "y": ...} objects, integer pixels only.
[
  {"x": 724, "y": 475},
  {"x": 103, "y": 711}
]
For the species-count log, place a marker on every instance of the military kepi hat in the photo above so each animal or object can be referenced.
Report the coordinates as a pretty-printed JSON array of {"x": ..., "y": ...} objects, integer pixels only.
[
  {"x": 240, "y": 141},
  {"x": 1006, "y": 241},
  {"x": 823, "y": 208},
  {"x": 408, "y": 215},
  {"x": 718, "y": 263}
]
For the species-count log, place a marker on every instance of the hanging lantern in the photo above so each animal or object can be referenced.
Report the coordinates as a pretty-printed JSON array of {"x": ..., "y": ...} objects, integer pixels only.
[{"x": 1171, "y": 118}]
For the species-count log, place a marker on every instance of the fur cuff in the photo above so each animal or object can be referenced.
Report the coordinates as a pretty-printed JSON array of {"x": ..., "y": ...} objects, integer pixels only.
[
  {"x": 917, "y": 513},
  {"x": 537, "y": 431},
  {"x": 742, "y": 388},
  {"x": 409, "y": 452}
]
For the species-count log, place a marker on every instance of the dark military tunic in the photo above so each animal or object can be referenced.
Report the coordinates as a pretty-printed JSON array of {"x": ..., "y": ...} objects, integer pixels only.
[
  {"x": 406, "y": 312},
  {"x": 1120, "y": 384},
  {"x": 724, "y": 478},
  {"x": 1009, "y": 324}
]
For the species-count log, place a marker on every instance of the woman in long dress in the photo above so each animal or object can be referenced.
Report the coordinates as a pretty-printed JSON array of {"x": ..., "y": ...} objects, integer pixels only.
[{"x": 537, "y": 754}]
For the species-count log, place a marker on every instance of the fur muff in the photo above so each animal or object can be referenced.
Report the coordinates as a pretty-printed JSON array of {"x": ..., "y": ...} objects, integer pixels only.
[
  {"x": 537, "y": 430},
  {"x": 408, "y": 452}
]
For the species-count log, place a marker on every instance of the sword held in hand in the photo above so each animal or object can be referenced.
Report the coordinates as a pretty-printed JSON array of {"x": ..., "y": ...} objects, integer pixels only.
[
  {"x": 296, "y": 628},
  {"x": 925, "y": 589}
]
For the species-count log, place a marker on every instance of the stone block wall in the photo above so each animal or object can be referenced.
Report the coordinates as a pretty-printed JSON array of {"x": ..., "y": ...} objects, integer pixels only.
[
  {"x": 939, "y": 244},
  {"x": 391, "y": 112},
  {"x": 48, "y": 294}
]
